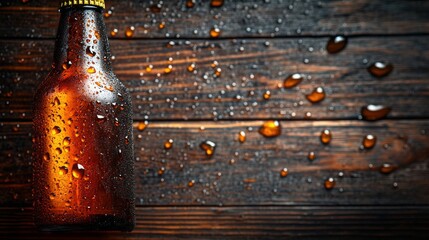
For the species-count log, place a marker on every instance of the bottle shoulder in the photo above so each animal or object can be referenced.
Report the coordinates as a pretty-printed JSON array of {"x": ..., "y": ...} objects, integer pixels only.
[{"x": 100, "y": 86}]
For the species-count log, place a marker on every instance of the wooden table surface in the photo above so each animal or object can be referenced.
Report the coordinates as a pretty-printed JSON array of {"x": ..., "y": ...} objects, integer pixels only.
[{"x": 239, "y": 193}]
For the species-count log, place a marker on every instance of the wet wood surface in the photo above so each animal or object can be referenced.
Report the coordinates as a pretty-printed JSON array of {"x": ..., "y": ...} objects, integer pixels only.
[
  {"x": 248, "y": 173},
  {"x": 245, "y": 76},
  {"x": 270, "y": 18},
  {"x": 239, "y": 192}
]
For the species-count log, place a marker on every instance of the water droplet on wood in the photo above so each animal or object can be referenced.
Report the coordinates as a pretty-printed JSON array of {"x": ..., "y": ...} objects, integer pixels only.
[
  {"x": 311, "y": 156},
  {"x": 190, "y": 3},
  {"x": 387, "y": 168},
  {"x": 284, "y": 172},
  {"x": 191, "y": 183},
  {"x": 374, "y": 112},
  {"x": 129, "y": 31},
  {"x": 216, "y": 3},
  {"x": 142, "y": 125},
  {"x": 209, "y": 147},
  {"x": 316, "y": 96},
  {"x": 369, "y": 141},
  {"x": 214, "y": 32},
  {"x": 242, "y": 136},
  {"x": 336, "y": 44},
  {"x": 329, "y": 183},
  {"x": 168, "y": 144},
  {"x": 326, "y": 136},
  {"x": 293, "y": 80},
  {"x": 271, "y": 128},
  {"x": 267, "y": 95},
  {"x": 380, "y": 69}
]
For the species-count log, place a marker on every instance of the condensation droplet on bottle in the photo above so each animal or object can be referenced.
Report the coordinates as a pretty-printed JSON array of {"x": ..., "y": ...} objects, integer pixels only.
[
  {"x": 329, "y": 183},
  {"x": 91, "y": 70},
  {"x": 52, "y": 196},
  {"x": 142, "y": 125},
  {"x": 242, "y": 136},
  {"x": 214, "y": 32},
  {"x": 311, "y": 156},
  {"x": 271, "y": 128},
  {"x": 284, "y": 172},
  {"x": 66, "y": 141},
  {"x": 380, "y": 69},
  {"x": 209, "y": 147},
  {"x": 293, "y": 80},
  {"x": 56, "y": 130},
  {"x": 369, "y": 141},
  {"x": 78, "y": 170},
  {"x": 89, "y": 52},
  {"x": 58, "y": 151},
  {"x": 101, "y": 118},
  {"x": 216, "y": 3},
  {"x": 63, "y": 170},
  {"x": 316, "y": 96},
  {"x": 168, "y": 144},
  {"x": 387, "y": 168},
  {"x": 46, "y": 157},
  {"x": 326, "y": 136},
  {"x": 67, "y": 65},
  {"x": 129, "y": 31},
  {"x": 336, "y": 44},
  {"x": 374, "y": 112},
  {"x": 97, "y": 34},
  {"x": 57, "y": 101}
]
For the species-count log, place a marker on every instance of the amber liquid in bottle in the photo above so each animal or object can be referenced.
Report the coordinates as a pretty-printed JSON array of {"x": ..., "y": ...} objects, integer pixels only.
[{"x": 83, "y": 144}]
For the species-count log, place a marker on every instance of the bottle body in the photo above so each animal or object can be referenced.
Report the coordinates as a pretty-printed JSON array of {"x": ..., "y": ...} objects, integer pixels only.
[{"x": 83, "y": 146}]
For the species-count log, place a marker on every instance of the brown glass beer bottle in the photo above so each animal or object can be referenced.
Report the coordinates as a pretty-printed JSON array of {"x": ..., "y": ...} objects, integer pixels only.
[{"x": 83, "y": 144}]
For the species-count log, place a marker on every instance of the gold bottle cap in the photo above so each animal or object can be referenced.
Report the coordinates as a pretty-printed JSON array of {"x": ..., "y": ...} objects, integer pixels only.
[{"x": 68, "y": 3}]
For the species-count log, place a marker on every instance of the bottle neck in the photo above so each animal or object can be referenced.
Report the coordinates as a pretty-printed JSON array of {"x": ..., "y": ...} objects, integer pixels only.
[{"x": 82, "y": 43}]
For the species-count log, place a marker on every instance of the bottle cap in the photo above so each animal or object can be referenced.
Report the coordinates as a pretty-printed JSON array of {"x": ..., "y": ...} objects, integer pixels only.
[{"x": 69, "y": 3}]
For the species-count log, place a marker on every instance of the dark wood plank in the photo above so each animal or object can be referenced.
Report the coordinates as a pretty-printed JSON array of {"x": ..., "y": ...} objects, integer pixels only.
[
  {"x": 185, "y": 95},
  {"x": 249, "y": 173},
  {"x": 294, "y": 222},
  {"x": 235, "y": 18}
]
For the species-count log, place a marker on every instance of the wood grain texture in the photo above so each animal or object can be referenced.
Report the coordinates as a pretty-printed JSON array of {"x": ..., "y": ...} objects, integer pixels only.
[
  {"x": 274, "y": 222},
  {"x": 249, "y": 173},
  {"x": 247, "y": 65},
  {"x": 255, "y": 18}
]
